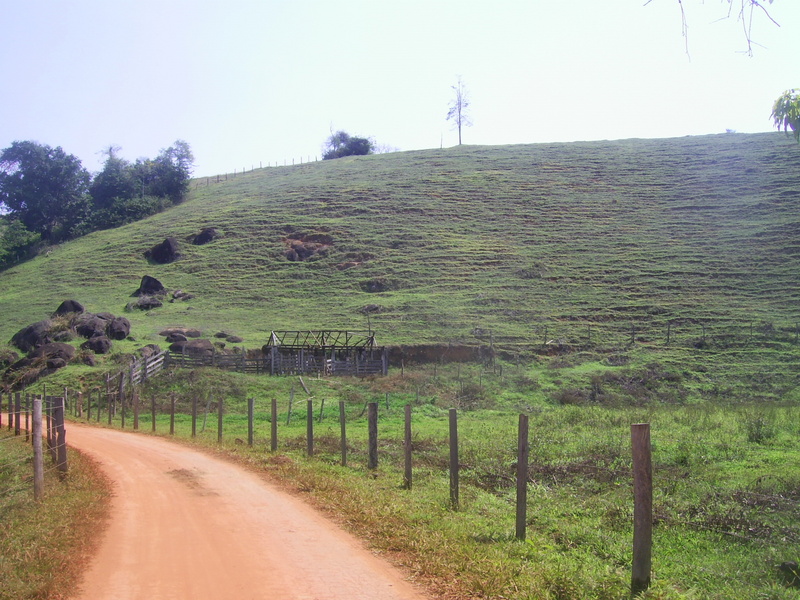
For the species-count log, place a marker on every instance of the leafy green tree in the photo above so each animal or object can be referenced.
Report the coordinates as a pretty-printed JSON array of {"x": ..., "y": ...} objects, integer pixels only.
[
  {"x": 114, "y": 182},
  {"x": 341, "y": 144},
  {"x": 16, "y": 241},
  {"x": 786, "y": 112},
  {"x": 45, "y": 188}
]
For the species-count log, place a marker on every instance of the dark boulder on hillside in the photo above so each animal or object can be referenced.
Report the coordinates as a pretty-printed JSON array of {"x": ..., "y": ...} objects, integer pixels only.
[
  {"x": 89, "y": 325},
  {"x": 188, "y": 332},
  {"x": 234, "y": 339},
  {"x": 99, "y": 344},
  {"x": 145, "y": 303},
  {"x": 118, "y": 328},
  {"x": 150, "y": 286},
  {"x": 176, "y": 337},
  {"x": 165, "y": 252},
  {"x": 193, "y": 348},
  {"x": 68, "y": 307},
  {"x": 33, "y": 336},
  {"x": 42, "y": 361},
  {"x": 209, "y": 234},
  {"x": 55, "y": 350}
]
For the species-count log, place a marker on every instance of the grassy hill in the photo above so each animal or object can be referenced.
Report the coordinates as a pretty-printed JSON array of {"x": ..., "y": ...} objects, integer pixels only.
[{"x": 588, "y": 246}]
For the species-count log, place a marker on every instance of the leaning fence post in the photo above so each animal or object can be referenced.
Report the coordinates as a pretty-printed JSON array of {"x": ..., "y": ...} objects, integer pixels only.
[
  {"x": 454, "y": 458},
  {"x": 523, "y": 449},
  {"x": 642, "y": 508},
  {"x": 38, "y": 462},
  {"x": 372, "y": 425}
]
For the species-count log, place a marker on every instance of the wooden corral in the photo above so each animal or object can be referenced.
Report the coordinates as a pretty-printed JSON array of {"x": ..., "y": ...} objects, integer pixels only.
[{"x": 329, "y": 352}]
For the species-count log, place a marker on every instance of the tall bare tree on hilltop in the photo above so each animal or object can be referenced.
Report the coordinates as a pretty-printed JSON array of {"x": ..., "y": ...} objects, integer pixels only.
[{"x": 458, "y": 108}]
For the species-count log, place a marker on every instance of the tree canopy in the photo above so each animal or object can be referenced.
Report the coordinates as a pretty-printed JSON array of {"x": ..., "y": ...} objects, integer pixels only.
[
  {"x": 45, "y": 188},
  {"x": 341, "y": 144},
  {"x": 786, "y": 112}
]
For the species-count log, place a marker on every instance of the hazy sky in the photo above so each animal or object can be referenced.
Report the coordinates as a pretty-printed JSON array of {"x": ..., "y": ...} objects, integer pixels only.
[{"x": 246, "y": 81}]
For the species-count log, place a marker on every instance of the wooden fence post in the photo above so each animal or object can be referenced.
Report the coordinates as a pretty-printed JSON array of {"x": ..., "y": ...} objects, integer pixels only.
[
  {"x": 321, "y": 410},
  {"x": 172, "y": 413},
  {"x": 135, "y": 409},
  {"x": 27, "y": 416},
  {"x": 194, "y": 415},
  {"x": 99, "y": 403},
  {"x": 220, "y": 411},
  {"x": 372, "y": 425},
  {"x": 273, "y": 429},
  {"x": 407, "y": 472},
  {"x": 61, "y": 437},
  {"x": 642, "y": 508},
  {"x": 343, "y": 437},
  {"x": 454, "y": 459},
  {"x": 110, "y": 407},
  {"x": 17, "y": 413},
  {"x": 38, "y": 462},
  {"x": 153, "y": 412},
  {"x": 291, "y": 401},
  {"x": 251, "y": 402},
  {"x": 523, "y": 450},
  {"x": 310, "y": 427}
]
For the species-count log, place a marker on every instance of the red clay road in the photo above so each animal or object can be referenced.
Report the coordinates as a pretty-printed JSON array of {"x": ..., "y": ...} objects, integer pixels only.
[{"x": 188, "y": 526}]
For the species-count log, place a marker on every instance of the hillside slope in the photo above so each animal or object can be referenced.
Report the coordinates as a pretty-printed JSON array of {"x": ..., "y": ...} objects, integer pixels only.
[{"x": 580, "y": 243}]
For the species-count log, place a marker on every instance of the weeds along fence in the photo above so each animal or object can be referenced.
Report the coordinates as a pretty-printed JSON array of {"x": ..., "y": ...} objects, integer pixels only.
[
  {"x": 212, "y": 415},
  {"x": 33, "y": 419}
]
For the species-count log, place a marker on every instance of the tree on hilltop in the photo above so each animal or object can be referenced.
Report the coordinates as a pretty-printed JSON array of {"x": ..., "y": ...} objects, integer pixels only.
[
  {"x": 341, "y": 144},
  {"x": 786, "y": 112},
  {"x": 458, "y": 108}
]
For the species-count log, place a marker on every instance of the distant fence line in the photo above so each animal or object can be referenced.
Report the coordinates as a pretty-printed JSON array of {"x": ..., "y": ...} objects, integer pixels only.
[{"x": 223, "y": 177}]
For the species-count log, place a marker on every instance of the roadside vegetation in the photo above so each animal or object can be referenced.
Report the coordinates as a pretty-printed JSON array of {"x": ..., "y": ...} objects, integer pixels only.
[{"x": 44, "y": 546}]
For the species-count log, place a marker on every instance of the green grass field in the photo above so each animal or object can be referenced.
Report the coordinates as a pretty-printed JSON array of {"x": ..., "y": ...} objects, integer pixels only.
[{"x": 618, "y": 282}]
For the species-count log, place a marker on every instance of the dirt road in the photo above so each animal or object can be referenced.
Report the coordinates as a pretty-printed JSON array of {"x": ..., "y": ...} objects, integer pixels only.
[{"x": 186, "y": 525}]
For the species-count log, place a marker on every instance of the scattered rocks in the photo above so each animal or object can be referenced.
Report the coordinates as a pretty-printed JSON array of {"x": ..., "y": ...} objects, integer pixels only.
[
  {"x": 303, "y": 246},
  {"x": 188, "y": 332},
  {"x": 165, "y": 252}
]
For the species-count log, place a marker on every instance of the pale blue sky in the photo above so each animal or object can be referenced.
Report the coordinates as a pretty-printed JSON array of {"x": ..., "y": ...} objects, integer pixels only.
[{"x": 264, "y": 81}]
